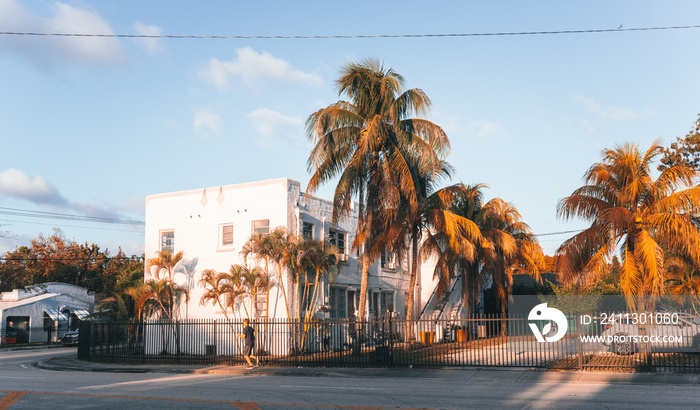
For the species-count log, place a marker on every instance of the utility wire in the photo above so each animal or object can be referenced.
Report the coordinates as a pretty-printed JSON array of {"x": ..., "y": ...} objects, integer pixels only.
[
  {"x": 55, "y": 215},
  {"x": 95, "y": 259},
  {"x": 504, "y": 33},
  {"x": 70, "y": 226},
  {"x": 559, "y": 233}
]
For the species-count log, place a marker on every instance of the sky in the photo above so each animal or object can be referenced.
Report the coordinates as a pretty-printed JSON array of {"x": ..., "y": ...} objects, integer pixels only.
[{"x": 90, "y": 126}]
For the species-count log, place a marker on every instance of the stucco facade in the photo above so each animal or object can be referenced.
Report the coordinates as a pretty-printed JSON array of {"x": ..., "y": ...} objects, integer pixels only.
[{"x": 211, "y": 225}]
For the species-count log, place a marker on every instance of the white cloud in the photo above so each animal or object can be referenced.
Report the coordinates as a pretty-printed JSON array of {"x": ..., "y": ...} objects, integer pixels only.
[
  {"x": 15, "y": 183},
  {"x": 150, "y": 45},
  {"x": 44, "y": 51},
  {"x": 276, "y": 127},
  {"x": 486, "y": 129},
  {"x": 18, "y": 185},
  {"x": 605, "y": 111},
  {"x": 254, "y": 70},
  {"x": 207, "y": 121}
]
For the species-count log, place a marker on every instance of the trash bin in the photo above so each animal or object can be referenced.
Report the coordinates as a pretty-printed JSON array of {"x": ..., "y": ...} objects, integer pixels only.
[
  {"x": 481, "y": 331},
  {"x": 427, "y": 337},
  {"x": 461, "y": 335}
]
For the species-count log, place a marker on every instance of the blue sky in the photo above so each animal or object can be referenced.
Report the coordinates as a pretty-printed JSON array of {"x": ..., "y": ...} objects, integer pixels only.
[{"x": 91, "y": 126}]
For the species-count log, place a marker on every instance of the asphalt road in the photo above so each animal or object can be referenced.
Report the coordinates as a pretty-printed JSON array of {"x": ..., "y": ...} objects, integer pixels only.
[{"x": 24, "y": 386}]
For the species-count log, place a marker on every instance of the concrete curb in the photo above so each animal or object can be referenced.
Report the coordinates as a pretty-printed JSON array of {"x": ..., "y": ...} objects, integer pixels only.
[{"x": 482, "y": 374}]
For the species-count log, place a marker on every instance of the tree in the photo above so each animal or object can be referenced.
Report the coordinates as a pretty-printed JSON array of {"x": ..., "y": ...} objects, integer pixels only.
[
  {"x": 164, "y": 265},
  {"x": 684, "y": 151},
  {"x": 634, "y": 213},
  {"x": 683, "y": 278},
  {"x": 269, "y": 248},
  {"x": 160, "y": 297},
  {"x": 55, "y": 258},
  {"x": 247, "y": 282},
  {"x": 432, "y": 228},
  {"x": 369, "y": 143},
  {"x": 214, "y": 290},
  {"x": 120, "y": 306}
]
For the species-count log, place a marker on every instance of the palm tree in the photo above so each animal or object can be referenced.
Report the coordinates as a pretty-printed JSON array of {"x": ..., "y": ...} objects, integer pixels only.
[
  {"x": 121, "y": 306},
  {"x": 268, "y": 248},
  {"x": 469, "y": 203},
  {"x": 370, "y": 142},
  {"x": 683, "y": 278},
  {"x": 513, "y": 249},
  {"x": 211, "y": 281},
  {"x": 164, "y": 265},
  {"x": 631, "y": 211},
  {"x": 322, "y": 261},
  {"x": 433, "y": 228},
  {"x": 505, "y": 246},
  {"x": 280, "y": 242},
  {"x": 160, "y": 296},
  {"x": 243, "y": 282}
]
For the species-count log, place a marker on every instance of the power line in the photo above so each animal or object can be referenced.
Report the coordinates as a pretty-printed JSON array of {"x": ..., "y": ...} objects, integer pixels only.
[
  {"x": 295, "y": 37},
  {"x": 95, "y": 259},
  {"x": 70, "y": 226},
  {"x": 70, "y": 217},
  {"x": 559, "y": 233}
]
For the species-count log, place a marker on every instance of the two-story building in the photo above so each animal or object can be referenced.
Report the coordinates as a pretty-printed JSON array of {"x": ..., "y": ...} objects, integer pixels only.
[{"x": 211, "y": 225}]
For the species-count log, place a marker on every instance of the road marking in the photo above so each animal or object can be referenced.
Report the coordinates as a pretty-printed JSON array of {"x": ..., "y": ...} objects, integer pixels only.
[
  {"x": 245, "y": 406},
  {"x": 289, "y": 386},
  {"x": 10, "y": 399},
  {"x": 189, "y": 378}
]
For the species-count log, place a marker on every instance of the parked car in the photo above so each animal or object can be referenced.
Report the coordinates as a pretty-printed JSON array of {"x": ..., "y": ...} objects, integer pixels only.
[
  {"x": 70, "y": 338},
  {"x": 662, "y": 332}
]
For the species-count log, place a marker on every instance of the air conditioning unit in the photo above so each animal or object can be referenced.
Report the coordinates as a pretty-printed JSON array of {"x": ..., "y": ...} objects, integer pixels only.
[
  {"x": 391, "y": 265},
  {"x": 344, "y": 257}
]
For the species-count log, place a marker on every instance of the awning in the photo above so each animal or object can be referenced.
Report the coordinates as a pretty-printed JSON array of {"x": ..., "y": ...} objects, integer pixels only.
[
  {"x": 55, "y": 315},
  {"x": 81, "y": 313}
]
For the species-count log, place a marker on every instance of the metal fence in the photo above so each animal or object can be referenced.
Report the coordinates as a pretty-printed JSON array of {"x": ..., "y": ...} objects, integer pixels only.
[{"x": 592, "y": 342}]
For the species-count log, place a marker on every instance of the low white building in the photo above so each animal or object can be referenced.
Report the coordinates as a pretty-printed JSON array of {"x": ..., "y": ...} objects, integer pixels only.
[
  {"x": 43, "y": 313},
  {"x": 211, "y": 225}
]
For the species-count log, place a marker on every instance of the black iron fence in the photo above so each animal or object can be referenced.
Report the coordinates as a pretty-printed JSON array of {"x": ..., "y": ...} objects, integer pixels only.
[{"x": 590, "y": 342}]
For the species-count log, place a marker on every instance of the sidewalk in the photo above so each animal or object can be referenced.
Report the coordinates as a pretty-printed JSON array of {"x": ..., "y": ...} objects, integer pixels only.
[{"x": 467, "y": 374}]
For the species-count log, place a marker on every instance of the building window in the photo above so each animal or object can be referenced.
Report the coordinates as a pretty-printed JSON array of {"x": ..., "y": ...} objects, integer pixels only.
[
  {"x": 167, "y": 241},
  {"x": 337, "y": 238},
  {"x": 307, "y": 230},
  {"x": 261, "y": 226},
  {"x": 226, "y": 235},
  {"x": 388, "y": 260},
  {"x": 382, "y": 302},
  {"x": 387, "y": 302},
  {"x": 337, "y": 300}
]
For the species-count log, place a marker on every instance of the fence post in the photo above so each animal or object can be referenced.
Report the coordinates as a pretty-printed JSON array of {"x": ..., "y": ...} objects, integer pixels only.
[
  {"x": 578, "y": 341},
  {"x": 177, "y": 341},
  {"x": 295, "y": 347},
  {"x": 391, "y": 340},
  {"x": 216, "y": 347},
  {"x": 142, "y": 327},
  {"x": 84, "y": 342}
]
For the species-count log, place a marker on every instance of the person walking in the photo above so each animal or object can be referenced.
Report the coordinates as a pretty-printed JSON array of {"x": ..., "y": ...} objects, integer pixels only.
[{"x": 249, "y": 349}]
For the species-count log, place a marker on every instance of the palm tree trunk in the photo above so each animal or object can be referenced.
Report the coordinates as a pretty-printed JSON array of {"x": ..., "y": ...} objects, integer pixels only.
[
  {"x": 284, "y": 291},
  {"x": 307, "y": 322},
  {"x": 412, "y": 284}
]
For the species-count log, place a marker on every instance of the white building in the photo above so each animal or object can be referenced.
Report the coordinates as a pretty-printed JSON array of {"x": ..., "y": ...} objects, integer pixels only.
[
  {"x": 211, "y": 225},
  {"x": 43, "y": 313}
]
